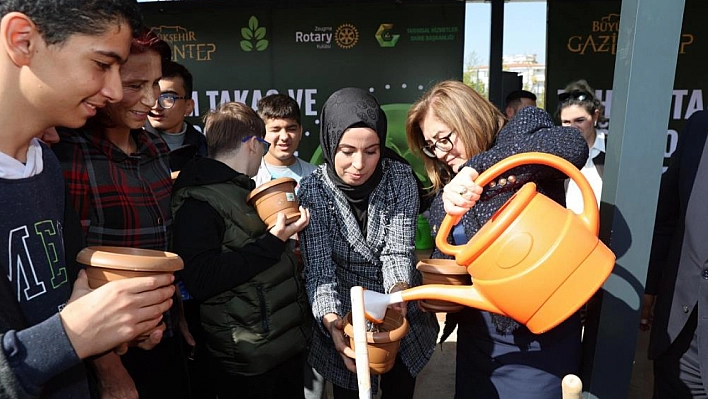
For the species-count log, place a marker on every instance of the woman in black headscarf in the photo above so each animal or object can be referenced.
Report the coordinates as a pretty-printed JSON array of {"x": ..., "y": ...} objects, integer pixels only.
[{"x": 363, "y": 207}]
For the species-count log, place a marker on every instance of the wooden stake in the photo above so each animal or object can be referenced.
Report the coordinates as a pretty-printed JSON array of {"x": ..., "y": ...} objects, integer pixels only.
[{"x": 572, "y": 387}]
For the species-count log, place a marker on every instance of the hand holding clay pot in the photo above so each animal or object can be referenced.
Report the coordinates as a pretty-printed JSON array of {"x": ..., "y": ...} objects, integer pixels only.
[
  {"x": 284, "y": 228},
  {"x": 145, "y": 341},
  {"x": 99, "y": 320},
  {"x": 105, "y": 264},
  {"x": 335, "y": 326},
  {"x": 276, "y": 196},
  {"x": 382, "y": 344}
]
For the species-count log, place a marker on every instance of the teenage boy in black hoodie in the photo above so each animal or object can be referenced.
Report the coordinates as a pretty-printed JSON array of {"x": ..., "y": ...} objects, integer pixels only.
[{"x": 254, "y": 308}]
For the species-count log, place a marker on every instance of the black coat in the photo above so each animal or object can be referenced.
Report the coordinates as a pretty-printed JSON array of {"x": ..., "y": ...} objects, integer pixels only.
[{"x": 675, "y": 280}]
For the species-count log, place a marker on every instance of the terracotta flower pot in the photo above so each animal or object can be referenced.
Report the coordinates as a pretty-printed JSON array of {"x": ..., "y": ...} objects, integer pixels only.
[
  {"x": 382, "y": 345},
  {"x": 442, "y": 271},
  {"x": 104, "y": 264},
  {"x": 275, "y": 196}
]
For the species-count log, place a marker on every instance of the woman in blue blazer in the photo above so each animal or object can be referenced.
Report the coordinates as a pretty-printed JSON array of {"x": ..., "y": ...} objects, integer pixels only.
[{"x": 454, "y": 129}]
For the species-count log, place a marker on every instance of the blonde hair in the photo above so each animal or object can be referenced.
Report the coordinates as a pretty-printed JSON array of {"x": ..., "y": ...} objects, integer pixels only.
[{"x": 472, "y": 117}]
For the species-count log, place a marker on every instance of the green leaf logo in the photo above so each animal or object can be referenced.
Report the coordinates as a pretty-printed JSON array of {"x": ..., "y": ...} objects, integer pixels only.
[
  {"x": 253, "y": 36},
  {"x": 261, "y": 45}
]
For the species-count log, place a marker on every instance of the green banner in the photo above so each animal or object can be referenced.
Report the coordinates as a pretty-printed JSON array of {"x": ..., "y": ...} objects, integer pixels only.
[
  {"x": 396, "y": 51},
  {"x": 582, "y": 43}
]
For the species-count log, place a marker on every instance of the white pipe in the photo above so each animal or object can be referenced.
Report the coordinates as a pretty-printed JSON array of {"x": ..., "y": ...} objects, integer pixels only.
[{"x": 361, "y": 351}]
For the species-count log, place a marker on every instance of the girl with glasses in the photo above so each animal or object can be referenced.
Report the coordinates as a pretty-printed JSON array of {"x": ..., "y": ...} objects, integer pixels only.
[{"x": 496, "y": 356}]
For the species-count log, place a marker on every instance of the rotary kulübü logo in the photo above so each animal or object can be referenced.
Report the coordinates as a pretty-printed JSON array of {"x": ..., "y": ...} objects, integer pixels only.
[{"x": 346, "y": 36}]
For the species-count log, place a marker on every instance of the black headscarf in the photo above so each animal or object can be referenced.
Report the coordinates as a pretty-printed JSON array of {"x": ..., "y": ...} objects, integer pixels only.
[{"x": 347, "y": 108}]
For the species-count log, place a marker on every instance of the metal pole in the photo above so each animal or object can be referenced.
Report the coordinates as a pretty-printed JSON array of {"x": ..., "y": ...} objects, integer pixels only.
[
  {"x": 645, "y": 65},
  {"x": 496, "y": 50}
]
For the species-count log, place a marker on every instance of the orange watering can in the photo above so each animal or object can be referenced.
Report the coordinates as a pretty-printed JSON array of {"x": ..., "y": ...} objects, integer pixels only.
[{"x": 533, "y": 261}]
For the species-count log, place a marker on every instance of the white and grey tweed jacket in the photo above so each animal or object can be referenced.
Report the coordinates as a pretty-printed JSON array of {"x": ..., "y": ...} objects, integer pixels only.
[{"x": 337, "y": 257}]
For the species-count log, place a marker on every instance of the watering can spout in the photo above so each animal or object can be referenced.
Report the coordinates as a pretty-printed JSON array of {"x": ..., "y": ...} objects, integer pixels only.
[{"x": 466, "y": 295}]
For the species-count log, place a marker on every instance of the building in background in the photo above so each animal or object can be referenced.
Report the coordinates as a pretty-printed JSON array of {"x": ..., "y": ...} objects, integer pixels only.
[{"x": 533, "y": 75}]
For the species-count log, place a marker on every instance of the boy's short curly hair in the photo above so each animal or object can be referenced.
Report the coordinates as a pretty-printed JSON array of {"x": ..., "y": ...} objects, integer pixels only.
[{"x": 56, "y": 20}]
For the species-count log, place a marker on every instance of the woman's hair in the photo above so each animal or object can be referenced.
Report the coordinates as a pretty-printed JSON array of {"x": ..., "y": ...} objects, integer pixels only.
[
  {"x": 472, "y": 117},
  {"x": 227, "y": 126},
  {"x": 581, "y": 94},
  {"x": 146, "y": 40}
]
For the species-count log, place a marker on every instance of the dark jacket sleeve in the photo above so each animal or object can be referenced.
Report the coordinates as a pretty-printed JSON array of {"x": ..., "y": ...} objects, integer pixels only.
[
  {"x": 208, "y": 270},
  {"x": 668, "y": 210},
  {"x": 532, "y": 130},
  {"x": 32, "y": 356}
]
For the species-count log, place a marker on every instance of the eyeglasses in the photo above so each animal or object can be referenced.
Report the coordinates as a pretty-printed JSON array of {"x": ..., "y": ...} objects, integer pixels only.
[
  {"x": 443, "y": 144},
  {"x": 168, "y": 100},
  {"x": 266, "y": 145},
  {"x": 576, "y": 95}
]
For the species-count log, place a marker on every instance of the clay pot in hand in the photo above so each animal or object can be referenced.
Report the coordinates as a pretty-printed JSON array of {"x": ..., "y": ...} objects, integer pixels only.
[
  {"x": 275, "y": 196},
  {"x": 382, "y": 345},
  {"x": 442, "y": 271},
  {"x": 104, "y": 264}
]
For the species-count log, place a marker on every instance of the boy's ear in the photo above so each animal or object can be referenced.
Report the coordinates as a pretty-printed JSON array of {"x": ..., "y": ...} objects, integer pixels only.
[
  {"x": 251, "y": 143},
  {"x": 189, "y": 108},
  {"x": 18, "y": 35}
]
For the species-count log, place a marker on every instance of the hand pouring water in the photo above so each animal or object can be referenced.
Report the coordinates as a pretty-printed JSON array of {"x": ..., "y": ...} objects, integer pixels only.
[{"x": 533, "y": 261}]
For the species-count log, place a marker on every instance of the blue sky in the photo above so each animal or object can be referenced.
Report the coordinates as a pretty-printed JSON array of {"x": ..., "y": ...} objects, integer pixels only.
[{"x": 524, "y": 30}]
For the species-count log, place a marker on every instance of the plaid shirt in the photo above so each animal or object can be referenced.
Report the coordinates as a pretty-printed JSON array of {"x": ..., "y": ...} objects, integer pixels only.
[
  {"x": 337, "y": 256},
  {"x": 122, "y": 200}
]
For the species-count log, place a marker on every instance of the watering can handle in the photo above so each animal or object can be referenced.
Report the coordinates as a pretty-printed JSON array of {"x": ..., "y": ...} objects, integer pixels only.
[{"x": 589, "y": 216}]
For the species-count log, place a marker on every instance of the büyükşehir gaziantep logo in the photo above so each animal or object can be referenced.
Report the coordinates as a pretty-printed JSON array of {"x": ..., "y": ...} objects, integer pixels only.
[
  {"x": 385, "y": 37},
  {"x": 346, "y": 36}
]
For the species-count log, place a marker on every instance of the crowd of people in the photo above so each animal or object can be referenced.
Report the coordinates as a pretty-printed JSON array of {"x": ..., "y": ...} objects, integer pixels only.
[{"x": 96, "y": 151}]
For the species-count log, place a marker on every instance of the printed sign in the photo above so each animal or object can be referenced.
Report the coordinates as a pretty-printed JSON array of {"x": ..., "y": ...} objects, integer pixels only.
[
  {"x": 396, "y": 51},
  {"x": 582, "y": 44}
]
